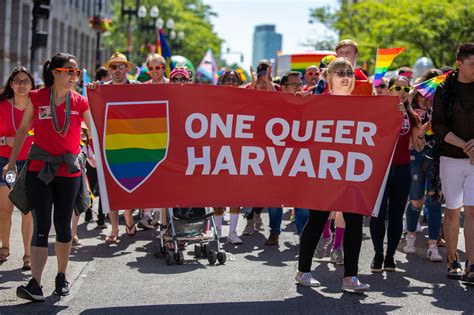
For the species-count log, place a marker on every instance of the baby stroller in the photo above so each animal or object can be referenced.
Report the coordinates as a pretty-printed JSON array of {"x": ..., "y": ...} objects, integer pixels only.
[{"x": 189, "y": 225}]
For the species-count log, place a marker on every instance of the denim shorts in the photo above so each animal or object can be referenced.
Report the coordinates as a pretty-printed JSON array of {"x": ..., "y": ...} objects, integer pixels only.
[{"x": 4, "y": 162}]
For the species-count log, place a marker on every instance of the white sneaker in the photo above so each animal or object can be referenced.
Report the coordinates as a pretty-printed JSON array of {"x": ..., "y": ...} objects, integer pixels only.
[
  {"x": 419, "y": 227},
  {"x": 410, "y": 244},
  {"x": 433, "y": 254},
  {"x": 233, "y": 238},
  {"x": 354, "y": 285},
  {"x": 305, "y": 279}
]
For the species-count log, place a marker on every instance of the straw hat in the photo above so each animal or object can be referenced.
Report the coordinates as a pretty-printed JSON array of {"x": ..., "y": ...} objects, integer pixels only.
[{"x": 118, "y": 58}]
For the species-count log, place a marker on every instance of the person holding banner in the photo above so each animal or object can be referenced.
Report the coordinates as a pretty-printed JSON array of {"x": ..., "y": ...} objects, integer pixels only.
[
  {"x": 398, "y": 183},
  {"x": 453, "y": 121},
  {"x": 341, "y": 82},
  {"x": 156, "y": 66},
  {"x": 54, "y": 174},
  {"x": 12, "y": 107}
]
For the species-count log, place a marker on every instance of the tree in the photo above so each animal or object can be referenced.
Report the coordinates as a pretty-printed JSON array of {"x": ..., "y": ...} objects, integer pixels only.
[
  {"x": 190, "y": 16},
  {"x": 431, "y": 28}
]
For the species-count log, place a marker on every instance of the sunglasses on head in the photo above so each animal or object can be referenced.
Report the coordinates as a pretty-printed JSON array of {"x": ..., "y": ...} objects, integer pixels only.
[
  {"x": 20, "y": 82},
  {"x": 347, "y": 73},
  {"x": 180, "y": 80},
  {"x": 121, "y": 66},
  {"x": 156, "y": 68},
  {"x": 381, "y": 86},
  {"x": 70, "y": 72},
  {"x": 399, "y": 88},
  {"x": 312, "y": 73}
]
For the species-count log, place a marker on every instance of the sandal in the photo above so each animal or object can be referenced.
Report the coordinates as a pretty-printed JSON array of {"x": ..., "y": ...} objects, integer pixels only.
[
  {"x": 111, "y": 238},
  {"x": 26, "y": 262},
  {"x": 4, "y": 253},
  {"x": 129, "y": 229}
]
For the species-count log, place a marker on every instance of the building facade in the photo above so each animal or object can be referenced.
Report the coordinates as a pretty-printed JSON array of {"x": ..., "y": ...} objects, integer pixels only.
[
  {"x": 266, "y": 43},
  {"x": 67, "y": 27}
]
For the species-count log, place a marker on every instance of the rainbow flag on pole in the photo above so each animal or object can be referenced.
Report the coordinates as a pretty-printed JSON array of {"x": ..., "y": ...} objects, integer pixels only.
[
  {"x": 136, "y": 141},
  {"x": 428, "y": 88},
  {"x": 385, "y": 57}
]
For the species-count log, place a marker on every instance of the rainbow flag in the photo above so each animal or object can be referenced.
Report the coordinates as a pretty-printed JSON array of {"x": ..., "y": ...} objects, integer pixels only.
[
  {"x": 136, "y": 141},
  {"x": 428, "y": 88},
  {"x": 299, "y": 62},
  {"x": 385, "y": 57}
]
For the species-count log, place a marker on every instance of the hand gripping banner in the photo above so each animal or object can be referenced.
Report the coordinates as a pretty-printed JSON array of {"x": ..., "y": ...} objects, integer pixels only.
[{"x": 171, "y": 145}]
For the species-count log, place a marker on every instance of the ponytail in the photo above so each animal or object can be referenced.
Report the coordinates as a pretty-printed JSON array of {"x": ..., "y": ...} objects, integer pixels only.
[{"x": 57, "y": 61}]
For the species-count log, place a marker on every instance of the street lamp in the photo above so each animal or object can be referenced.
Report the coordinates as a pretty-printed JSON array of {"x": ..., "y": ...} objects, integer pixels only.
[{"x": 130, "y": 12}]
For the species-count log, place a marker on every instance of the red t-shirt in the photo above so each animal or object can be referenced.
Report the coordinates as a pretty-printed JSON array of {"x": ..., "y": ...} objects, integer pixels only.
[
  {"x": 7, "y": 129},
  {"x": 402, "y": 153},
  {"x": 46, "y": 136}
]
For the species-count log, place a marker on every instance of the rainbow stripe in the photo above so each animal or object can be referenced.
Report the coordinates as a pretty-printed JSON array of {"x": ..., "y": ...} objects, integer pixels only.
[
  {"x": 428, "y": 88},
  {"x": 136, "y": 140},
  {"x": 385, "y": 57},
  {"x": 299, "y": 62}
]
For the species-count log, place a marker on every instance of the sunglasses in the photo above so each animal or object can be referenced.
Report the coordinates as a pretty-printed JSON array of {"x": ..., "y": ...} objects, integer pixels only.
[
  {"x": 399, "y": 88},
  {"x": 381, "y": 86},
  {"x": 20, "y": 82},
  {"x": 312, "y": 73},
  {"x": 70, "y": 72},
  {"x": 121, "y": 66},
  {"x": 156, "y": 68},
  {"x": 231, "y": 80},
  {"x": 180, "y": 80},
  {"x": 342, "y": 74}
]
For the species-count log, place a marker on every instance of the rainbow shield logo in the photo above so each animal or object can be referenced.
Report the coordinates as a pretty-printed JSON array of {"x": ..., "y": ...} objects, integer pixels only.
[{"x": 135, "y": 140}]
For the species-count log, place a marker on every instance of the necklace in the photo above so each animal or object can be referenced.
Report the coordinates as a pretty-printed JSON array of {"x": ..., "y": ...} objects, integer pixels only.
[
  {"x": 61, "y": 131},
  {"x": 12, "y": 104}
]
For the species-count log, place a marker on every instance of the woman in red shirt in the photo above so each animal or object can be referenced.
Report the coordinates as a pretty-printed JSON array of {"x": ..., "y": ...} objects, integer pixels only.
[
  {"x": 12, "y": 106},
  {"x": 54, "y": 175}
]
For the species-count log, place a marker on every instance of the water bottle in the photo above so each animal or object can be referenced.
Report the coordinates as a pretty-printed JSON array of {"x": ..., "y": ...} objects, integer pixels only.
[{"x": 10, "y": 178}]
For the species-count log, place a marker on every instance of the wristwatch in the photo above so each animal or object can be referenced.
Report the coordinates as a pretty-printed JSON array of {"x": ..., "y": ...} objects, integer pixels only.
[{"x": 3, "y": 140}]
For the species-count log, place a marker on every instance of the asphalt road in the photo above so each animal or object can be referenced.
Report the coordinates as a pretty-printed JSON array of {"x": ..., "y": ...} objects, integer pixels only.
[{"x": 125, "y": 278}]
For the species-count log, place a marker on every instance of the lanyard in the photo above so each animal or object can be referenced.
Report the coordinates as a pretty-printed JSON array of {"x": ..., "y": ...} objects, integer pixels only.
[{"x": 61, "y": 131}]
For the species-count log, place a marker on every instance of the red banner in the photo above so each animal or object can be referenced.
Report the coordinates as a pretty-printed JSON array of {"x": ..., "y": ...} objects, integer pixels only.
[{"x": 195, "y": 145}]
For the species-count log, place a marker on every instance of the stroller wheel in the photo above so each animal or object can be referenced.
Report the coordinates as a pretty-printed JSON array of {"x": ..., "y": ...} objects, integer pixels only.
[
  {"x": 206, "y": 250},
  {"x": 212, "y": 257},
  {"x": 169, "y": 258},
  {"x": 179, "y": 258},
  {"x": 158, "y": 251},
  {"x": 221, "y": 257},
  {"x": 197, "y": 251}
]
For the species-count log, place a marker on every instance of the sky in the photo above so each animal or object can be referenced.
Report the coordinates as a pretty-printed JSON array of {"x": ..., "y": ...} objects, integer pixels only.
[{"x": 237, "y": 19}]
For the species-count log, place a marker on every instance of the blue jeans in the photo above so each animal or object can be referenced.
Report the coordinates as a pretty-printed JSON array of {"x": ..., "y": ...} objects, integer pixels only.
[
  {"x": 276, "y": 217},
  {"x": 421, "y": 170}
]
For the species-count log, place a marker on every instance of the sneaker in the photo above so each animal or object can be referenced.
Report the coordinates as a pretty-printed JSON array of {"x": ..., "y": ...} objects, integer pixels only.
[
  {"x": 76, "y": 241},
  {"x": 32, "y": 291},
  {"x": 322, "y": 247},
  {"x": 389, "y": 263},
  {"x": 433, "y": 254},
  {"x": 353, "y": 284},
  {"x": 337, "y": 257},
  {"x": 468, "y": 275},
  {"x": 272, "y": 239},
  {"x": 454, "y": 269},
  {"x": 62, "y": 286},
  {"x": 258, "y": 222},
  {"x": 233, "y": 238},
  {"x": 249, "y": 228},
  {"x": 410, "y": 244},
  {"x": 305, "y": 279},
  {"x": 377, "y": 263}
]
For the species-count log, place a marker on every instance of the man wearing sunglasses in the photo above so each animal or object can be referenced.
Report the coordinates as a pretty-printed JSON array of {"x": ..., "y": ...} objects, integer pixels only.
[
  {"x": 382, "y": 88},
  {"x": 453, "y": 121},
  {"x": 118, "y": 66},
  {"x": 311, "y": 78}
]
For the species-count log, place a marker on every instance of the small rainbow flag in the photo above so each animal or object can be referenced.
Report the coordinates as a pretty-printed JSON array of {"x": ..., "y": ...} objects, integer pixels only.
[
  {"x": 136, "y": 141},
  {"x": 428, "y": 88},
  {"x": 299, "y": 62},
  {"x": 385, "y": 57}
]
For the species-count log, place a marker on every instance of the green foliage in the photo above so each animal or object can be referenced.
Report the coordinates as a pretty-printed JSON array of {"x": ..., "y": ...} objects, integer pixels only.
[
  {"x": 431, "y": 28},
  {"x": 190, "y": 16}
]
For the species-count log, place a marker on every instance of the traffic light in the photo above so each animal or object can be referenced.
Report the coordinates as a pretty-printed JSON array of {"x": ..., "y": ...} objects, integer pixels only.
[{"x": 41, "y": 9}]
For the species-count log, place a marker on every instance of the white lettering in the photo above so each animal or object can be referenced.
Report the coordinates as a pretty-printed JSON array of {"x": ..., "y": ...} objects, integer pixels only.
[
  {"x": 296, "y": 130},
  {"x": 320, "y": 130},
  {"x": 341, "y": 131},
  {"x": 189, "y": 125},
  {"x": 225, "y": 161},
  {"x": 365, "y": 134},
  {"x": 278, "y": 167},
  {"x": 303, "y": 163},
  {"x": 246, "y": 161},
  {"x": 332, "y": 167},
  {"x": 193, "y": 161},
  {"x": 224, "y": 128},
  {"x": 242, "y": 125},
  {"x": 277, "y": 139},
  {"x": 351, "y": 161}
]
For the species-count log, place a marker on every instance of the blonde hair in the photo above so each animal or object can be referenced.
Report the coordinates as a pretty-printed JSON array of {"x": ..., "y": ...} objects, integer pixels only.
[
  {"x": 348, "y": 42},
  {"x": 155, "y": 57},
  {"x": 341, "y": 63}
]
